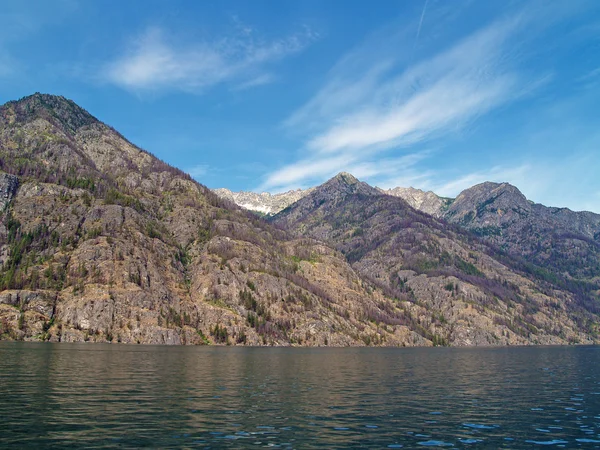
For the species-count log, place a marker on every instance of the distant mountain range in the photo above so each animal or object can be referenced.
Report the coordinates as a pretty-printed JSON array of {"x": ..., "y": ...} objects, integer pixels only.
[
  {"x": 270, "y": 204},
  {"x": 101, "y": 241},
  {"x": 561, "y": 240},
  {"x": 263, "y": 203}
]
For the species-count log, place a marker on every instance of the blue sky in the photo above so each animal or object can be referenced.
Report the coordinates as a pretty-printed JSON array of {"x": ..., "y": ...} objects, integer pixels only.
[{"x": 277, "y": 95}]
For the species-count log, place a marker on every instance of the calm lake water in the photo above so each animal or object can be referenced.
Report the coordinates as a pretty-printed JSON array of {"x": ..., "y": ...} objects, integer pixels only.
[{"x": 118, "y": 396}]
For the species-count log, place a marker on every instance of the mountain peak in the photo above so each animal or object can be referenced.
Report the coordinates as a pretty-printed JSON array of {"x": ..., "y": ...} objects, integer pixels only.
[
  {"x": 346, "y": 177},
  {"x": 428, "y": 202},
  {"x": 339, "y": 190},
  {"x": 346, "y": 183},
  {"x": 489, "y": 202},
  {"x": 492, "y": 185},
  {"x": 41, "y": 97},
  {"x": 53, "y": 107},
  {"x": 494, "y": 190}
]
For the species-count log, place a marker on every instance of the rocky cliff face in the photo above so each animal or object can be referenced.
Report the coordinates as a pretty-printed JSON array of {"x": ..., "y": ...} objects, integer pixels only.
[
  {"x": 427, "y": 202},
  {"x": 333, "y": 193},
  {"x": 264, "y": 203},
  {"x": 493, "y": 204},
  {"x": 563, "y": 242},
  {"x": 8, "y": 189}
]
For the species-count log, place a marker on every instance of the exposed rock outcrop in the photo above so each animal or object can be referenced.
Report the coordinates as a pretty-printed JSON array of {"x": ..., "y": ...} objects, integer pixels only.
[
  {"x": 263, "y": 203},
  {"x": 561, "y": 241},
  {"x": 427, "y": 202},
  {"x": 8, "y": 189}
]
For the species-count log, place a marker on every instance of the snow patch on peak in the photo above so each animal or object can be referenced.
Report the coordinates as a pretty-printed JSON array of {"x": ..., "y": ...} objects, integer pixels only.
[{"x": 265, "y": 202}]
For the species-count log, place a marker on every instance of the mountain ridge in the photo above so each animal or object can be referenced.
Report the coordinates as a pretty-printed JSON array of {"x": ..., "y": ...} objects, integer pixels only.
[
  {"x": 426, "y": 201},
  {"x": 103, "y": 242},
  {"x": 407, "y": 252},
  {"x": 100, "y": 241},
  {"x": 264, "y": 202},
  {"x": 500, "y": 214},
  {"x": 558, "y": 239}
]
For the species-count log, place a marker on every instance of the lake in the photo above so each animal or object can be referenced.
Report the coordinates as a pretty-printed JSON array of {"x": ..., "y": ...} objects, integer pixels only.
[{"x": 107, "y": 396}]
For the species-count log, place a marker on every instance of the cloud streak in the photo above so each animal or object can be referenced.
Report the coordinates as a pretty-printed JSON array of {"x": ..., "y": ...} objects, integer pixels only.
[
  {"x": 519, "y": 176},
  {"x": 152, "y": 62},
  {"x": 420, "y": 24},
  {"x": 260, "y": 80},
  {"x": 544, "y": 182},
  {"x": 358, "y": 115}
]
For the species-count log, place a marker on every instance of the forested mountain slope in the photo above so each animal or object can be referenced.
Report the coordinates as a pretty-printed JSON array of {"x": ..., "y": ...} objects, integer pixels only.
[
  {"x": 462, "y": 289},
  {"x": 101, "y": 241},
  {"x": 564, "y": 242}
]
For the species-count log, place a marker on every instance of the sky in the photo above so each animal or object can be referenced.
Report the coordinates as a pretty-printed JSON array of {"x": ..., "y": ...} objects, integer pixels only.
[{"x": 278, "y": 95}]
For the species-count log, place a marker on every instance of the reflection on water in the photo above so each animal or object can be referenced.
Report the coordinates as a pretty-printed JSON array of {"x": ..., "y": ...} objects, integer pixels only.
[{"x": 95, "y": 395}]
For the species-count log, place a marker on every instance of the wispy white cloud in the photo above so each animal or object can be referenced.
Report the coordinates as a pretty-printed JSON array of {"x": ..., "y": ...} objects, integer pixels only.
[
  {"x": 518, "y": 176},
  {"x": 420, "y": 24},
  {"x": 377, "y": 105},
  {"x": 384, "y": 171},
  {"x": 594, "y": 73},
  {"x": 154, "y": 62},
  {"x": 362, "y": 113},
  {"x": 295, "y": 175},
  {"x": 260, "y": 80},
  {"x": 591, "y": 79}
]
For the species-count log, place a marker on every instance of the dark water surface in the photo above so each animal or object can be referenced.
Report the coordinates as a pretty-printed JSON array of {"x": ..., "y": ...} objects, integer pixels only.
[{"x": 118, "y": 396}]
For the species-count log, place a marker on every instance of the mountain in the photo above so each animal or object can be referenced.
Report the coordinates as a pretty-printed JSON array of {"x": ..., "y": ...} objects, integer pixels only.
[
  {"x": 563, "y": 242},
  {"x": 270, "y": 204},
  {"x": 265, "y": 203},
  {"x": 333, "y": 193},
  {"x": 428, "y": 202},
  {"x": 455, "y": 287},
  {"x": 101, "y": 241}
]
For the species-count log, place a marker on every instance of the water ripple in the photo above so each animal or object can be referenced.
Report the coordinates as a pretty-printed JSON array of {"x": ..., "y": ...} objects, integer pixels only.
[{"x": 103, "y": 396}]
